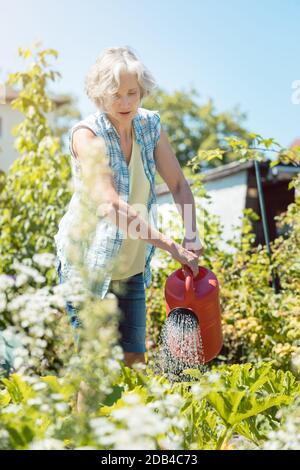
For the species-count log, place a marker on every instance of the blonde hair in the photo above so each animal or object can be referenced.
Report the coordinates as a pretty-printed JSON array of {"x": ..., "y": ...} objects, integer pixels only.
[{"x": 103, "y": 77}]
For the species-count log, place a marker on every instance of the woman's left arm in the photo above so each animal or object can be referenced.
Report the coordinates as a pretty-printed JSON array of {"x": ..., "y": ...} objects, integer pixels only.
[{"x": 169, "y": 169}]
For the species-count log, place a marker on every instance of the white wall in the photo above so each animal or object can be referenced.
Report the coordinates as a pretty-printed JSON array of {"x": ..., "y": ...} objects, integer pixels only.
[
  {"x": 10, "y": 118},
  {"x": 228, "y": 199}
]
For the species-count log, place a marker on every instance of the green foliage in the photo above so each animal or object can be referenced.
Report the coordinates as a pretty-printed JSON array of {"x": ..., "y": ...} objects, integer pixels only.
[
  {"x": 240, "y": 399},
  {"x": 28, "y": 410},
  {"x": 32, "y": 198},
  {"x": 251, "y": 147},
  {"x": 192, "y": 127},
  {"x": 243, "y": 392},
  {"x": 2, "y": 180},
  {"x": 201, "y": 414},
  {"x": 287, "y": 437},
  {"x": 257, "y": 323}
]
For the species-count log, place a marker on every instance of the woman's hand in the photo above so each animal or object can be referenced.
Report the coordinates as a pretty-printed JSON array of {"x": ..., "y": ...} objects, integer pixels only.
[{"x": 185, "y": 257}]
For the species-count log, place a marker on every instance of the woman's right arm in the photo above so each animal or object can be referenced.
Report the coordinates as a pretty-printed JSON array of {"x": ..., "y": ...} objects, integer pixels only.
[{"x": 91, "y": 153}]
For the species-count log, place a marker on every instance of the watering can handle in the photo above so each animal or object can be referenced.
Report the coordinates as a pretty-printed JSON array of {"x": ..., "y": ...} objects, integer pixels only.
[{"x": 189, "y": 284}]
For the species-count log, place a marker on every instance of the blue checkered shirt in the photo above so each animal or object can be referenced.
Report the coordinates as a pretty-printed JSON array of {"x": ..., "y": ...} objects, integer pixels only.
[{"x": 108, "y": 238}]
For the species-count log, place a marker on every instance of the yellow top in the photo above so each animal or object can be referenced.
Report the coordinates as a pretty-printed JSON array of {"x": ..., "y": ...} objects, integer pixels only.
[{"x": 131, "y": 257}]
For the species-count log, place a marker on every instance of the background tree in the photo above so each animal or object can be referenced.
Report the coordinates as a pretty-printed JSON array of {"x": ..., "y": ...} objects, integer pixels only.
[
  {"x": 192, "y": 127},
  {"x": 65, "y": 110},
  {"x": 33, "y": 198}
]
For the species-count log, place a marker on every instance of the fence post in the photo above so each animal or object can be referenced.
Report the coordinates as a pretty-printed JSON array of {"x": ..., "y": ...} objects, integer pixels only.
[{"x": 275, "y": 278}]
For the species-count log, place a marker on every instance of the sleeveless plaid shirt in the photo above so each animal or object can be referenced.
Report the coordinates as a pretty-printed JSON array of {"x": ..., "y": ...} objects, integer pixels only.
[{"x": 108, "y": 237}]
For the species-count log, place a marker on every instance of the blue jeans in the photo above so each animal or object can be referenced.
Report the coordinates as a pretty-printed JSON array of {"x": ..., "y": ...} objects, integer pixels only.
[{"x": 131, "y": 298}]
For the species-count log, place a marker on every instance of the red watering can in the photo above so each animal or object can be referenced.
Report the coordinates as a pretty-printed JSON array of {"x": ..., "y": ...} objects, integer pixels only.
[{"x": 199, "y": 296}]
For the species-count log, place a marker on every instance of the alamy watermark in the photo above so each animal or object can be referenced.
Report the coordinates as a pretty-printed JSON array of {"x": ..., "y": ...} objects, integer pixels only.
[
  {"x": 2, "y": 93},
  {"x": 295, "y": 98},
  {"x": 167, "y": 220}
]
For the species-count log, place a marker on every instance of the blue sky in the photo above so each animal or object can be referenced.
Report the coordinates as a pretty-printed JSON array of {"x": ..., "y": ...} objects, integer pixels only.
[{"x": 237, "y": 52}]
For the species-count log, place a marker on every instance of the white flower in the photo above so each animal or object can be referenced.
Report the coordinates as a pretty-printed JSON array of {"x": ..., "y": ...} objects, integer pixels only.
[
  {"x": 85, "y": 448},
  {"x": 39, "y": 386},
  {"x": 156, "y": 405},
  {"x": 196, "y": 389},
  {"x": 58, "y": 301},
  {"x": 179, "y": 422},
  {"x": 173, "y": 402},
  {"x": 113, "y": 365},
  {"x": 285, "y": 438},
  {"x": 45, "y": 260},
  {"x": 30, "y": 380},
  {"x": 152, "y": 423},
  {"x": 37, "y": 331},
  {"x": 121, "y": 413},
  {"x": 41, "y": 343},
  {"x": 34, "y": 402},
  {"x": 56, "y": 396},
  {"x": 170, "y": 444},
  {"x": 132, "y": 399},
  {"x": 45, "y": 408},
  {"x": 6, "y": 282},
  {"x": 46, "y": 143},
  {"x": 21, "y": 352},
  {"x": 37, "y": 352},
  {"x": 102, "y": 426},
  {"x": 156, "y": 389},
  {"x": 166, "y": 386},
  {"x": 61, "y": 407},
  {"x": 47, "y": 444},
  {"x": 17, "y": 303},
  {"x": 213, "y": 377},
  {"x": 18, "y": 362},
  {"x": 295, "y": 362},
  {"x": 13, "y": 409},
  {"x": 4, "y": 438},
  {"x": 27, "y": 272},
  {"x": 3, "y": 302},
  {"x": 141, "y": 443},
  {"x": 21, "y": 279}
]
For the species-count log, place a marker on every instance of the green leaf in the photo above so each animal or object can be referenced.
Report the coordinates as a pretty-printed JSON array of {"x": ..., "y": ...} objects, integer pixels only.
[
  {"x": 274, "y": 163},
  {"x": 5, "y": 398},
  {"x": 18, "y": 390}
]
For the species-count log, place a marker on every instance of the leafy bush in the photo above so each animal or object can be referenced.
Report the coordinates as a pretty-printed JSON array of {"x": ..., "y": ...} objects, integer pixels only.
[
  {"x": 32, "y": 198},
  {"x": 257, "y": 323},
  {"x": 144, "y": 411}
]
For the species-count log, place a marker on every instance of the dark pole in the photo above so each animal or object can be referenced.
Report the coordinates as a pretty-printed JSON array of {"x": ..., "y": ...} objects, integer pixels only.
[{"x": 275, "y": 279}]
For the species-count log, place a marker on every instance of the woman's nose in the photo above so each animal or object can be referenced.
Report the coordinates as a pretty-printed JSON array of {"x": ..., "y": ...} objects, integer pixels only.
[{"x": 125, "y": 102}]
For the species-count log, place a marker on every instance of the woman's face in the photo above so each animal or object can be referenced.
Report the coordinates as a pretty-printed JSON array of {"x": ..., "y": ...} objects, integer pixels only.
[{"x": 123, "y": 104}]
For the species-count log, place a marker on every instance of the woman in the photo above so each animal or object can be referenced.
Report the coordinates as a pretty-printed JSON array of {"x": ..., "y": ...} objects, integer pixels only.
[{"x": 137, "y": 146}]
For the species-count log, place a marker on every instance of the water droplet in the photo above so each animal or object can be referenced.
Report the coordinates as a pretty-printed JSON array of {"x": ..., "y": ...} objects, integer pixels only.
[{"x": 180, "y": 346}]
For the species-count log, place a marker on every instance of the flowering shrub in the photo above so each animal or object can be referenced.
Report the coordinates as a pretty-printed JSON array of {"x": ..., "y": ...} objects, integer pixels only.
[
  {"x": 31, "y": 195},
  {"x": 144, "y": 411},
  {"x": 287, "y": 437}
]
